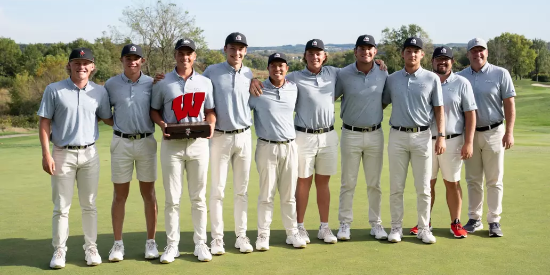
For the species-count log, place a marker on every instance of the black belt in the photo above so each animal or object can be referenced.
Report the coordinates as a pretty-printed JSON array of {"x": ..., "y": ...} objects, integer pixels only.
[
  {"x": 276, "y": 142},
  {"x": 131, "y": 137},
  {"x": 448, "y": 136},
  {"x": 411, "y": 129},
  {"x": 70, "y": 147},
  {"x": 487, "y": 128},
  {"x": 314, "y": 131},
  {"x": 359, "y": 129},
  {"x": 233, "y": 131}
]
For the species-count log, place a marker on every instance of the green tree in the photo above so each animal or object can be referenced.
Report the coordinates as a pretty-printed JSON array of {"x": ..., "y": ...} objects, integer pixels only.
[
  {"x": 542, "y": 61},
  {"x": 209, "y": 57},
  {"x": 10, "y": 54},
  {"x": 392, "y": 44},
  {"x": 32, "y": 56},
  {"x": 519, "y": 57}
]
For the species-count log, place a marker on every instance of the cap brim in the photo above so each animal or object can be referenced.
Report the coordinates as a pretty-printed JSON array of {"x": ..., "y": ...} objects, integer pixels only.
[
  {"x": 82, "y": 58},
  {"x": 365, "y": 44},
  {"x": 132, "y": 54},
  {"x": 237, "y": 42},
  {"x": 445, "y": 55},
  {"x": 477, "y": 46},
  {"x": 314, "y": 47},
  {"x": 277, "y": 59},
  {"x": 412, "y": 46},
  {"x": 193, "y": 49}
]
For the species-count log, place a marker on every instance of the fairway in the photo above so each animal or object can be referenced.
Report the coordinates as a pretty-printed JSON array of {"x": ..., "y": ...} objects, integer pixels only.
[{"x": 26, "y": 210}]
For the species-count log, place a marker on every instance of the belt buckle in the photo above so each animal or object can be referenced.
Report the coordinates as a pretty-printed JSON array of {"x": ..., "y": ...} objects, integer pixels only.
[
  {"x": 364, "y": 130},
  {"x": 132, "y": 137},
  {"x": 138, "y": 136},
  {"x": 321, "y": 131},
  {"x": 408, "y": 130},
  {"x": 415, "y": 130}
]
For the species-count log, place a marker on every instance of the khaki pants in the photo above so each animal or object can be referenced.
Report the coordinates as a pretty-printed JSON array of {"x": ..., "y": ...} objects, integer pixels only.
[
  {"x": 488, "y": 161},
  {"x": 81, "y": 166},
  {"x": 277, "y": 165},
  {"x": 176, "y": 158},
  {"x": 368, "y": 147},
  {"x": 237, "y": 150},
  {"x": 415, "y": 148}
]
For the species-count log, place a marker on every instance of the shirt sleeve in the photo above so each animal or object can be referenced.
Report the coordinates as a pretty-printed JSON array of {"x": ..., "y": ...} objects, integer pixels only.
[
  {"x": 386, "y": 93},
  {"x": 104, "y": 108},
  {"x": 156, "y": 97},
  {"x": 507, "y": 89},
  {"x": 468, "y": 99},
  {"x": 252, "y": 102},
  {"x": 437, "y": 93},
  {"x": 47, "y": 105},
  {"x": 339, "y": 87},
  {"x": 209, "y": 99},
  {"x": 206, "y": 72}
]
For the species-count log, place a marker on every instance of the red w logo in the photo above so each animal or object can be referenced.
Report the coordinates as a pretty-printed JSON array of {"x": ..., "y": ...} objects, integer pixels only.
[{"x": 187, "y": 105}]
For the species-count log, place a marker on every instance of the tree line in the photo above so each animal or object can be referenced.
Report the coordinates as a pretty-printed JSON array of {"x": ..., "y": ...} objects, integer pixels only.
[{"x": 25, "y": 70}]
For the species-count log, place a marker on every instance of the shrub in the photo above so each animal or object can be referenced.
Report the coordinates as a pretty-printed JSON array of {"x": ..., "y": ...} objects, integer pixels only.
[{"x": 542, "y": 78}]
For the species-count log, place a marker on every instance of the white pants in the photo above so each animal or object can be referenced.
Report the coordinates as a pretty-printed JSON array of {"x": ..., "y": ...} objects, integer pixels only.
[
  {"x": 125, "y": 153},
  {"x": 237, "y": 150},
  {"x": 317, "y": 153},
  {"x": 368, "y": 147},
  {"x": 450, "y": 162},
  {"x": 278, "y": 168},
  {"x": 82, "y": 166},
  {"x": 415, "y": 148},
  {"x": 176, "y": 158},
  {"x": 488, "y": 161}
]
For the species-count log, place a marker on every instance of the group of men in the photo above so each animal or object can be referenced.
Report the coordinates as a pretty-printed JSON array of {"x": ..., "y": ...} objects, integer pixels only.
[{"x": 433, "y": 126}]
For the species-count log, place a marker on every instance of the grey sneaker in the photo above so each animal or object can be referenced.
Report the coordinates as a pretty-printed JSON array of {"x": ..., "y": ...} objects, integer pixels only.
[
  {"x": 473, "y": 225},
  {"x": 494, "y": 230}
]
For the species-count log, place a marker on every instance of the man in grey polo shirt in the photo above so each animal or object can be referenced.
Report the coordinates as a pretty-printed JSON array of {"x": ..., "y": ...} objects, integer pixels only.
[
  {"x": 460, "y": 107},
  {"x": 69, "y": 114},
  {"x": 133, "y": 142},
  {"x": 179, "y": 156},
  {"x": 415, "y": 94},
  {"x": 494, "y": 93},
  {"x": 276, "y": 151},
  {"x": 231, "y": 142},
  {"x": 361, "y": 84}
]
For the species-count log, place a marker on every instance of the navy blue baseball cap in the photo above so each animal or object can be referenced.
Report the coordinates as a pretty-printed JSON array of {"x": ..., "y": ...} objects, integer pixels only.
[
  {"x": 186, "y": 42},
  {"x": 413, "y": 42},
  {"x": 132, "y": 49},
  {"x": 81, "y": 53},
  {"x": 365, "y": 40},
  {"x": 236, "y": 37},
  {"x": 443, "y": 51},
  {"x": 276, "y": 57},
  {"x": 315, "y": 44}
]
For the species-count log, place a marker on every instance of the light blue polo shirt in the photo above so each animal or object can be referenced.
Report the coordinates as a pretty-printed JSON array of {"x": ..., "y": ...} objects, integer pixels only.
[
  {"x": 315, "y": 106},
  {"x": 412, "y": 97},
  {"x": 231, "y": 94},
  {"x": 132, "y": 103},
  {"x": 182, "y": 101},
  {"x": 458, "y": 98},
  {"x": 274, "y": 111},
  {"x": 74, "y": 111},
  {"x": 491, "y": 85},
  {"x": 362, "y": 95}
]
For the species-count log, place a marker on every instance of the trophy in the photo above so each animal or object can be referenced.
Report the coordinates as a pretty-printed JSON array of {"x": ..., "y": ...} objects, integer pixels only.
[{"x": 188, "y": 130}]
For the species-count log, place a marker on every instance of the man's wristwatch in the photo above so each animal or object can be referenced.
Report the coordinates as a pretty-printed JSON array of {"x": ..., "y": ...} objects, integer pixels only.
[{"x": 440, "y": 135}]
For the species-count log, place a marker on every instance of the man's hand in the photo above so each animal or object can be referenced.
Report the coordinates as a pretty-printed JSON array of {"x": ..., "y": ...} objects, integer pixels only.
[
  {"x": 212, "y": 125},
  {"x": 467, "y": 151},
  {"x": 381, "y": 63},
  {"x": 163, "y": 127},
  {"x": 508, "y": 140},
  {"x": 158, "y": 77},
  {"x": 256, "y": 87},
  {"x": 440, "y": 145},
  {"x": 48, "y": 164}
]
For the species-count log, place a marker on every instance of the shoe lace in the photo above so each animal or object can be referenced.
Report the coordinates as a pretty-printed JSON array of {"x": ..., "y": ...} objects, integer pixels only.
[
  {"x": 302, "y": 232},
  {"x": 244, "y": 239},
  {"x": 424, "y": 232},
  {"x": 396, "y": 230},
  {"x": 471, "y": 222},
  {"x": 170, "y": 249},
  {"x": 378, "y": 228},
  {"x": 326, "y": 232},
  {"x": 151, "y": 245},
  {"x": 202, "y": 247},
  {"x": 344, "y": 227},
  {"x": 92, "y": 251},
  {"x": 218, "y": 242},
  {"x": 297, "y": 236},
  {"x": 262, "y": 238},
  {"x": 116, "y": 247},
  {"x": 58, "y": 254},
  {"x": 494, "y": 225}
]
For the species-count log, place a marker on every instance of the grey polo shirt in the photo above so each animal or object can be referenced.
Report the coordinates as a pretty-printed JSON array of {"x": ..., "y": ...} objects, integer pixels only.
[
  {"x": 182, "y": 101},
  {"x": 362, "y": 95},
  {"x": 458, "y": 98},
  {"x": 231, "y": 94},
  {"x": 74, "y": 112},
  {"x": 315, "y": 106},
  {"x": 132, "y": 103},
  {"x": 274, "y": 111},
  {"x": 491, "y": 85},
  {"x": 412, "y": 97}
]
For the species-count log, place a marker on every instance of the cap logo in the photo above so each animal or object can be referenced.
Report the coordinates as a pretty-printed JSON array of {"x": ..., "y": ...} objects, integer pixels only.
[
  {"x": 413, "y": 41},
  {"x": 314, "y": 43},
  {"x": 443, "y": 50},
  {"x": 82, "y": 53},
  {"x": 477, "y": 40},
  {"x": 366, "y": 39},
  {"x": 238, "y": 38},
  {"x": 132, "y": 49},
  {"x": 186, "y": 41},
  {"x": 277, "y": 55}
]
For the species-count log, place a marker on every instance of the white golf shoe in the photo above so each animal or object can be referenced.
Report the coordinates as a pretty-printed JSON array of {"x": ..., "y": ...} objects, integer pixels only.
[
  {"x": 117, "y": 253},
  {"x": 326, "y": 235},
  {"x": 426, "y": 236},
  {"x": 378, "y": 232},
  {"x": 303, "y": 234},
  {"x": 344, "y": 233},
  {"x": 262, "y": 243},
  {"x": 92, "y": 256},
  {"x": 151, "y": 249},
  {"x": 58, "y": 259},
  {"x": 243, "y": 244},
  {"x": 202, "y": 252},
  {"x": 170, "y": 253},
  {"x": 216, "y": 247},
  {"x": 396, "y": 234},
  {"x": 296, "y": 241}
]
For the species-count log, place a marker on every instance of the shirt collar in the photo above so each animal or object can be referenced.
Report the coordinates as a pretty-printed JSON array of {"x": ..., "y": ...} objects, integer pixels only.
[
  {"x": 267, "y": 83},
  {"x": 127, "y": 80},
  {"x": 177, "y": 75},
  {"x": 354, "y": 65},
  {"x": 415, "y": 74},
  {"x": 449, "y": 79},
  {"x": 308, "y": 72},
  {"x": 231, "y": 69},
  {"x": 483, "y": 69},
  {"x": 71, "y": 84}
]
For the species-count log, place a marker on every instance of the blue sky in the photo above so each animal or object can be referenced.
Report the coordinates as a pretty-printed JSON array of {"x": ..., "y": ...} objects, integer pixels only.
[{"x": 270, "y": 23}]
